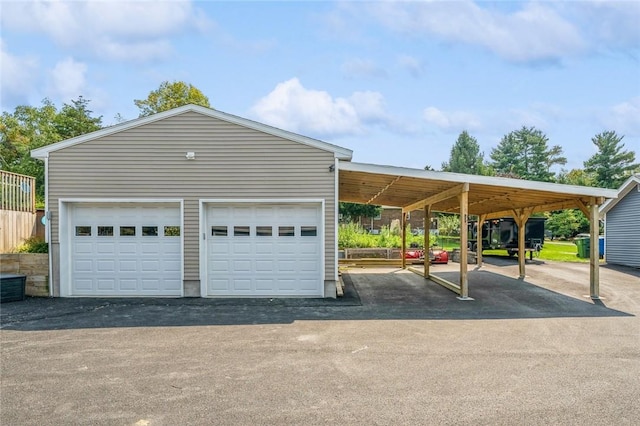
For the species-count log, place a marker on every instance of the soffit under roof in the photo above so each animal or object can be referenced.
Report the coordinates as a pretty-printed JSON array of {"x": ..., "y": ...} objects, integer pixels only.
[{"x": 402, "y": 187}]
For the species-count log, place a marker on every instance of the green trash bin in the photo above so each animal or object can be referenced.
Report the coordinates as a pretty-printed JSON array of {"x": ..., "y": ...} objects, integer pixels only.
[{"x": 584, "y": 247}]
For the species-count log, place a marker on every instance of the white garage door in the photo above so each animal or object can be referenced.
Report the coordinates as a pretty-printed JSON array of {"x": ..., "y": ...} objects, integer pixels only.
[
  {"x": 264, "y": 250},
  {"x": 125, "y": 250}
]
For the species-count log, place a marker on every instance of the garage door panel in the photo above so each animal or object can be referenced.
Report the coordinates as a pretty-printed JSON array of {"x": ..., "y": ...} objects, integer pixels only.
[
  {"x": 287, "y": 248},
  {"x": 171, "y": 267},
  {"x": 106, "y": 266},
  {"x": 127, "y": 248},
  {"x": 150, "y": 248},
  {"x": 310, "y": 248},
  {"x": 127, "y": 266},
  {"x": 105, "y": 247},
  {"x": 242, "y": 284},
  {"x": 241, "y": 266},
  {"x": 265, "y": 249},
  {"x": 259, "y": 249},
  {"x": 265, "y": 284},
  {"x": 240, "y": 248},
  {"x": 129, "y": 285},
  {"x": 81, "y": 266},
  {"x": 150, "y": 284},
  {"x": 84, "y": 284},
  {"x": 309, "y": 266},
  {"x": 219, "y": 247},
  {"x": 152, "y": 266},
  {"x": 287, "y": 284},
  {"x": 265, "y": 266},
  {"x": 106, "y": 284},
  {"x": 82, "y": 247},
  {"x": 130, "y": 254},
  {"x": 286, "y": 266},
  {"x": 307, "y": 285}
]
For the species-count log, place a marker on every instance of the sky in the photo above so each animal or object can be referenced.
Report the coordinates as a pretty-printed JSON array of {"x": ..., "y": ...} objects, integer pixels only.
[{"x": 396, "y": 82}]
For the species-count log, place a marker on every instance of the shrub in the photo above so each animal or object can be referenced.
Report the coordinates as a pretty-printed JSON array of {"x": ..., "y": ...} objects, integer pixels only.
[
  {"x": 33, "y": 245},
  {"x": 352, "y": 235}
]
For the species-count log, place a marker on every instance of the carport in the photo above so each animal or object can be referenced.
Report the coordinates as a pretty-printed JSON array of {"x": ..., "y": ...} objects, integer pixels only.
[{"x": 487, "y": 197}]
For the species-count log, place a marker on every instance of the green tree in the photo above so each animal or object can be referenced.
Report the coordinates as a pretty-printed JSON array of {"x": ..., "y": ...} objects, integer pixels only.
[
  {"x": 169, "y": 96},
  {"x": 611, "y": 165},
  {"x": 525, "y": 153},
  {"x": 31, "y": 127},
  {"x": 351, "y": 211},
  {"x": 465, "y": 156},
  {"x": 76, "y": 119},
  {"x": 448, "y": 224},
  {"x": 566, "y": 223},
  {"x": 575, "y": 177}
]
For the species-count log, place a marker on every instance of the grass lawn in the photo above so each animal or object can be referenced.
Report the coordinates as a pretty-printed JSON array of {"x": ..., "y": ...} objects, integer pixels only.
[{"x": 560, "y": 251}]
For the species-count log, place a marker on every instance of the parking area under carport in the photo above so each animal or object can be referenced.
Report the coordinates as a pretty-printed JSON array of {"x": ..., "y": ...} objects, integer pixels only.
[
  {"x": 487, "y": 197},
  {"x": 551, "y": 289}
]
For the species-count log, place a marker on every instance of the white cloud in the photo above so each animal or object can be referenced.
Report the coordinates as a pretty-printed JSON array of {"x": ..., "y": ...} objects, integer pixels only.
[
  {"x": 624, "y": 118},
  {"x": 453, "y": 121},
  {"x": 536, "y": 32},
  {"x": 412, "y": 65},
  {"x": 609, "y": 24},
  {"x": 19, "y": 74},
  {"x": 357, "y": 67},
  {"x": 132, "y": 30},
  {"x": 293, "y": 107},
  {"x": 67, "y": 80}
]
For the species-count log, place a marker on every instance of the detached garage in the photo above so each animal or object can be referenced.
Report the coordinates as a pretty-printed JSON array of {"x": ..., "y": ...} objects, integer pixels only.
[{"x": 192, "y": 202}]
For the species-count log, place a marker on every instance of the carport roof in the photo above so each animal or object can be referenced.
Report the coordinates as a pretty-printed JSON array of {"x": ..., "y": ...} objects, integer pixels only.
[{"x": 412, "y": 189}]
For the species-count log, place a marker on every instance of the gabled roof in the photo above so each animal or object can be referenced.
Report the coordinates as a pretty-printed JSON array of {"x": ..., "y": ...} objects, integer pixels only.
[
  {"x": 341, "y": 153},
  {"x": 633, "y": 183}
]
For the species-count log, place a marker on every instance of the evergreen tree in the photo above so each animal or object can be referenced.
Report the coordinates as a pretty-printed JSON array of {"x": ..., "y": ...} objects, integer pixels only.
[
  {"x": 524, "y": 153},
  {"x": 465, "y": 156},
  {"x": 611, "y": 165}
]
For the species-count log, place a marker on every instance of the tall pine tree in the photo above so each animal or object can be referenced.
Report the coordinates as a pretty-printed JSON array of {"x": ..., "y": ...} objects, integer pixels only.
[
  {"x": 525, "y": 154},
  {"x": 611, "y": 165}
]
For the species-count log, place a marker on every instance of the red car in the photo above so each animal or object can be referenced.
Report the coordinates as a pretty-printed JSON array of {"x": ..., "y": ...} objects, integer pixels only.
[{"x": 435, "y": 255}]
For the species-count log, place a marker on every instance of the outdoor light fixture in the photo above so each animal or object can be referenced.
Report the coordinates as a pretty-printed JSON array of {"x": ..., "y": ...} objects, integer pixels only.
[
  {"x": 191, "y": 155},
  {"x": 332, "y": 168}
]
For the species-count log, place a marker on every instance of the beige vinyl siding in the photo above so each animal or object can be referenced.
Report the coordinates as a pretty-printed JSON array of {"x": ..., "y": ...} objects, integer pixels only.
[{"x": 231, "y": 162}]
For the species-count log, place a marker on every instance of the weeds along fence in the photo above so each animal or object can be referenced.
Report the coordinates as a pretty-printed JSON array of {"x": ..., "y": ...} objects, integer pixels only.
[{"x": 17, "y": 209}]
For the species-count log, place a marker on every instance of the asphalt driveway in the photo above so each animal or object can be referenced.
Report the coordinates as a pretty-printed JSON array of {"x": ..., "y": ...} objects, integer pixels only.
[{"x": 395, "y": 350}]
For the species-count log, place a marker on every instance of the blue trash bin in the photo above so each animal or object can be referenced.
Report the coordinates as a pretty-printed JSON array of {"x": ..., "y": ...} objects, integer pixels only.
[{"x": 601, "y": 247}]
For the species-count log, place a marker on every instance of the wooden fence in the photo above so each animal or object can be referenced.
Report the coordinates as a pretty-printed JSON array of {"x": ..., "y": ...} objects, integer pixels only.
[{"x": 17, "y": 209}]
